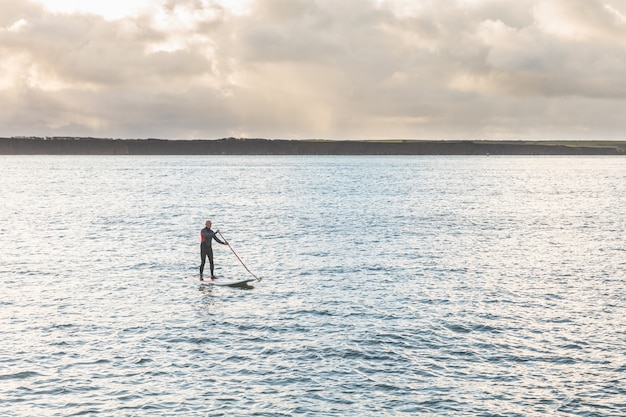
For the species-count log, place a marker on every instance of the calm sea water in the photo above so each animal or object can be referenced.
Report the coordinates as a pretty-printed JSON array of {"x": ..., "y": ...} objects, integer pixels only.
[{"x": 449, "y": 286}]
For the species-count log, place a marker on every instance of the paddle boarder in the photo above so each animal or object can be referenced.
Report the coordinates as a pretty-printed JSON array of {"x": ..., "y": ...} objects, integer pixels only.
[{"x": 206, "y": 237}]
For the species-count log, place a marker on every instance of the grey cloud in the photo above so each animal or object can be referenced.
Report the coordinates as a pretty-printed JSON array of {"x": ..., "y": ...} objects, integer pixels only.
[
  {"x": 322, "y": 68},
  {"x": 89, "y": 49},
  {"x": 12, "y": 11}
]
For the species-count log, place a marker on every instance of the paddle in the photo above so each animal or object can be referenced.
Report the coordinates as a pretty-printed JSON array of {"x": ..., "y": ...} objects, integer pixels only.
[{"x": 235, "y": 253}]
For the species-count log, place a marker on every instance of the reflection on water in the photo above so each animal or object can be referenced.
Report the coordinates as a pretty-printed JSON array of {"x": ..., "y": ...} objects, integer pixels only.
[{"x": 391, "y": 285}]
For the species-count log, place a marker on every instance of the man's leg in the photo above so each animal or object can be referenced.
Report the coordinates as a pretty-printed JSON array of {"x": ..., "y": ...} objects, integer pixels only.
[
  {"x": 203, "y": 255},
  {"x": 211, "y": 265}
]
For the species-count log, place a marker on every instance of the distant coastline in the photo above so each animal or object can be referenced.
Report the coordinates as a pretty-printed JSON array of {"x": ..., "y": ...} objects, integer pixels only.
[{"x": 235, "y": 146}]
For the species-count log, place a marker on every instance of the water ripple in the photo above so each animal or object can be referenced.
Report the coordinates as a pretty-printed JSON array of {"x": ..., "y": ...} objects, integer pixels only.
[{"x": 391, "y": 286}]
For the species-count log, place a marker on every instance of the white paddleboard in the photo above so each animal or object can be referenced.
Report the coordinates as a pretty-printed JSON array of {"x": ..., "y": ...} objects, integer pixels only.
[{"x": 220, "y": 282}]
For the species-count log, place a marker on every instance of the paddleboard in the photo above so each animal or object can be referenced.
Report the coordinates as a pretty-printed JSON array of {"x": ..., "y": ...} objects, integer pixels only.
[{"x": 220, "y": 282}]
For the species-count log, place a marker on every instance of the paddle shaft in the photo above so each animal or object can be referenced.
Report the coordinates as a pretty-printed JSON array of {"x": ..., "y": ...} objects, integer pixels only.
[{"x": 237, "y": 256}]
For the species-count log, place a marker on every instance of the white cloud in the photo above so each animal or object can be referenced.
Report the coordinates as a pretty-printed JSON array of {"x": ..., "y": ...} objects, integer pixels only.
[
  {"x": 323, "y": 68},
  {"x": 109, "y": 9}
]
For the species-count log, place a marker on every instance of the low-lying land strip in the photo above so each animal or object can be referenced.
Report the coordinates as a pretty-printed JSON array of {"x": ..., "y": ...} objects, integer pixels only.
[{"x": 234, "y": 146}]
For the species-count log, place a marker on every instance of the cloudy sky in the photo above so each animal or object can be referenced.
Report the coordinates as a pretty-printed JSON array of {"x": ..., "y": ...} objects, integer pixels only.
[{"x": 335, "y": 69}]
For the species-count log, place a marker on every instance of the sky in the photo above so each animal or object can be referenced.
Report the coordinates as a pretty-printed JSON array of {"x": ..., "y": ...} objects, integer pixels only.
[{"x": 304, "y": 69}]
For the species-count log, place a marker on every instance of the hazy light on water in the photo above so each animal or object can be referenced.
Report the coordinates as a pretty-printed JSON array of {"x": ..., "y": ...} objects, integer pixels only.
[{"x": 432, "y": 285}]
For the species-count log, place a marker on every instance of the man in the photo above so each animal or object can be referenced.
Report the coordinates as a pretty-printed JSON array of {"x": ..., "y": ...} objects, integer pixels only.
[{"x": 206, "y": 237}]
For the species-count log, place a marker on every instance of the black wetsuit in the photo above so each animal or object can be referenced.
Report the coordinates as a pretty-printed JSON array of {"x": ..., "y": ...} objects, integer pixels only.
[{"x": 206, "y": 237}]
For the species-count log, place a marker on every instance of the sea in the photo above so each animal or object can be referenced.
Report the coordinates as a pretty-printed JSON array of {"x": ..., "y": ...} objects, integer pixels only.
[{"x": 388, "y": 286}]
